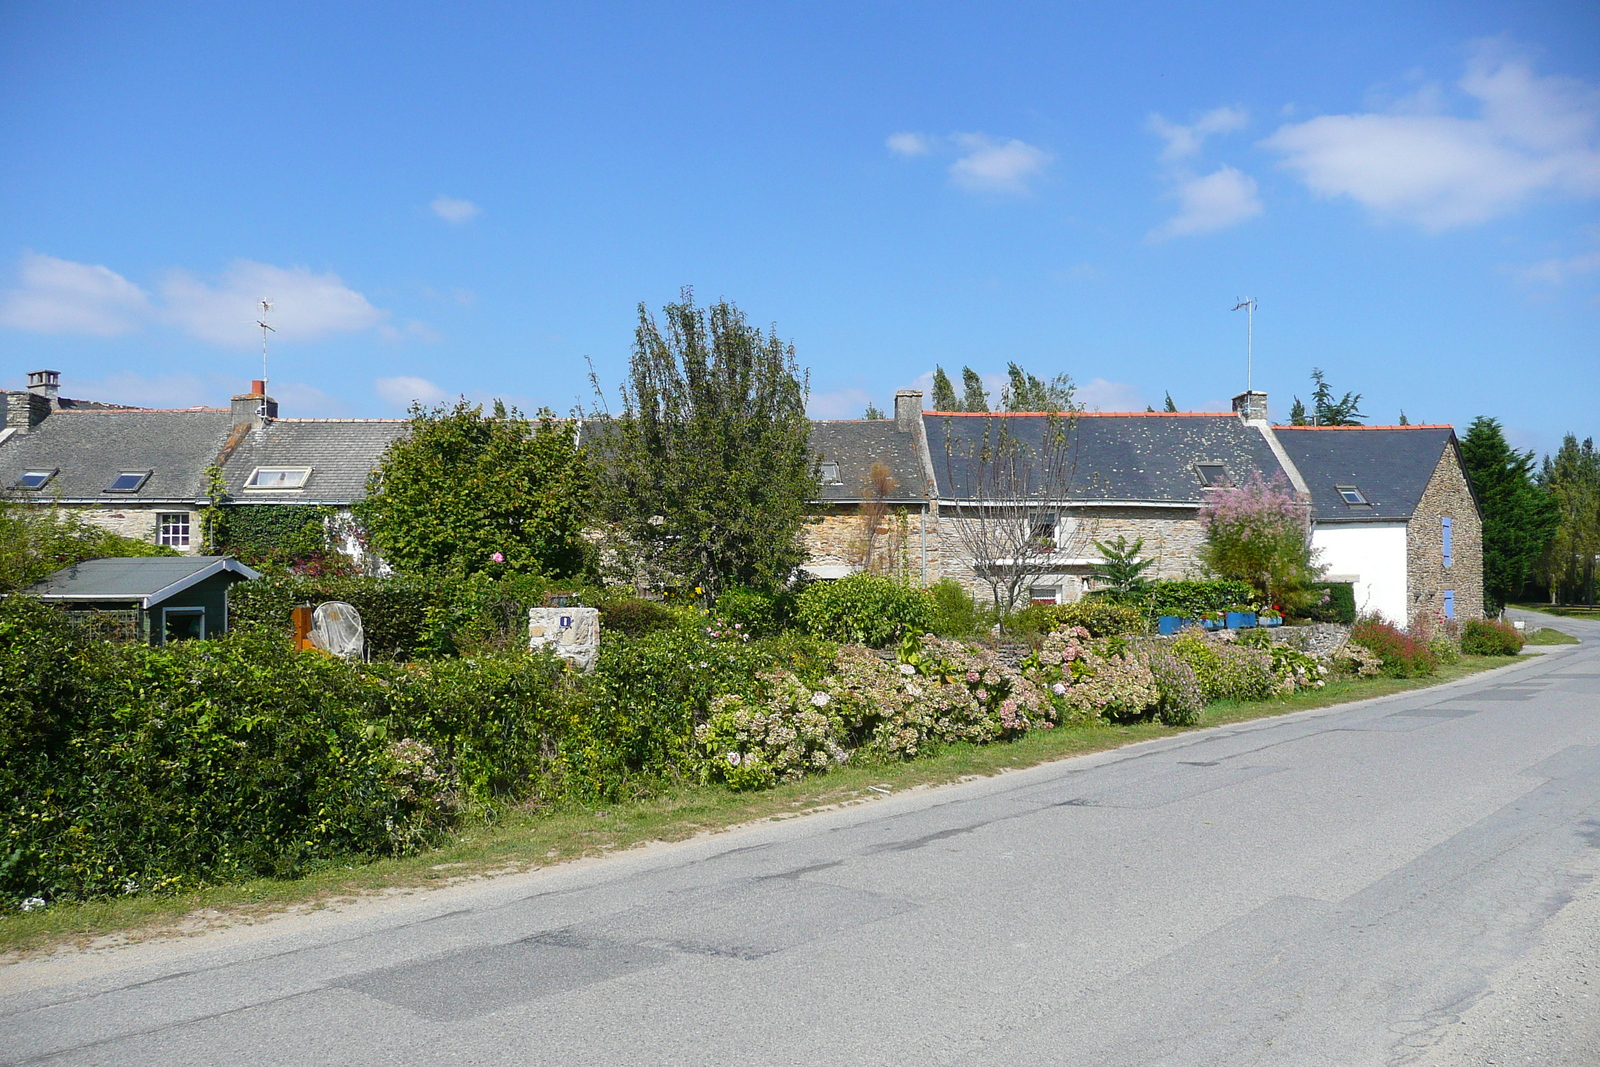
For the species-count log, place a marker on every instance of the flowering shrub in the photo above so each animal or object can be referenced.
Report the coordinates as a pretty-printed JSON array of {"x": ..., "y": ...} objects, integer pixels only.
[
  {"x": 1260, "y": 533},
  {"x": 1182, "y": 700},
  {"x": 1355, "y": 660},
  {"x": 1487, "y": 637},
  {"x": 1227, "y": 670},
  {"x": 1403, "y": 656},
  {"x": 1296, "y": 670},
  {"x": 1094, "y": 679},
  {"x": 753, "y": 743}
]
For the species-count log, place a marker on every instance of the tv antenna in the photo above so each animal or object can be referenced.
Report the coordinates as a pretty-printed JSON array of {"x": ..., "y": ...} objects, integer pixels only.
[
  {"x": 1250, "y": 341},
  {"x": 266, "y": 309}
]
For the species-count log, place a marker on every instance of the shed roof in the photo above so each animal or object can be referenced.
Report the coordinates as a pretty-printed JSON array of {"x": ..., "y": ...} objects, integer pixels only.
[
  {"x": 340, "y": 452},
  {"x": 88, "y": 448},
  {"x": 855, "y": 445},
  {"x": 1134, "y": 457},
  {"x": 147, "y": 579},
  {"x": 1390, "y": 465}
]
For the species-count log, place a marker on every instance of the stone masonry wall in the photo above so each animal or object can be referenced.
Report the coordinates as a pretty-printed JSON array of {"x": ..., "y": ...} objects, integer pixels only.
[
  {"x": 140, "y": 523},
  {"x": 1426, "y": 575},
  {"x": 836, "y": 536}
]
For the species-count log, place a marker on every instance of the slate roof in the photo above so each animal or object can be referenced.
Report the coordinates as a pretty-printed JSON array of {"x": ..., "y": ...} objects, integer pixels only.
[
  {"x": 91, "y": 447},
  {"x": 150, "y": 579},
  {"x": 855, "y": 445},
  {"x": 1133, "y": 457},
  {"x": 340, "y": 452},
  {"x": 1390, "y": 465}
]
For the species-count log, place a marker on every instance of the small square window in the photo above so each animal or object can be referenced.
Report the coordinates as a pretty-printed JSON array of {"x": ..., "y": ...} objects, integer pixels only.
[
  {"x": 278, "y": 478},
  {"x": 128, "y": 482},
  {"x": 172, "y": 528},
  {"x": 1043, "y": 534},
  {"x": 1044, "y": 594},
  {"x": 1213, "y": 475},
  {"x": 830, "y": 474},
  {"x": 35, "y": 479},
  {"x": 1351, "y": 495}
]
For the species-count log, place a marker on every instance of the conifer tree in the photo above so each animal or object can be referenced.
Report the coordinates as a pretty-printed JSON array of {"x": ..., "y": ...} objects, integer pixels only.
[{"x": 1519, "y": 518}]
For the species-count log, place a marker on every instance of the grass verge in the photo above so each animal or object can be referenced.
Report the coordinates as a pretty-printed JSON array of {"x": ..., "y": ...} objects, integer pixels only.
[
  {"x": 524, "y": 839},
  {"x": 1547, "y": 636}
]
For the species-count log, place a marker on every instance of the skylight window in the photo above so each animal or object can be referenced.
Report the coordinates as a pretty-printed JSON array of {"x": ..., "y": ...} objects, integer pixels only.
[
  {"x": 35, "y": 479},
  {"x": 128, "y": 482},
  {"x": 1212, "y": 475},
  {"x": 1352, "y": 495},
  {"x": 830, "y": 474},
  {"x": 278, "y": 478}
]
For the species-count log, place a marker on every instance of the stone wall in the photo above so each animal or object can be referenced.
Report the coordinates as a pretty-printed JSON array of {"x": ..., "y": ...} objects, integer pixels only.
[
  {"x": 1426, "y": 575},
  {"x": 837, "y": 536},
  {"x": 140, "y": 523}
]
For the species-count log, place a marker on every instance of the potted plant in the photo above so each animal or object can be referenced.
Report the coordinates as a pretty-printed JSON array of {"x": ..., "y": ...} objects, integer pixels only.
[
  {"x": 1240, "y": 617},
  {"x": 1212, "y": 620},
  {"x": 1272, "y": 616}
]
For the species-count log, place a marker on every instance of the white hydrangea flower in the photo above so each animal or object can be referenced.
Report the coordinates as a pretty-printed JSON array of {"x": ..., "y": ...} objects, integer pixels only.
[
  {"x": 907, "y": 669},
  {"x": 820, "y": 699},
  {"x": 733, "y": 758},
  {"x": 33, "y": 904}
]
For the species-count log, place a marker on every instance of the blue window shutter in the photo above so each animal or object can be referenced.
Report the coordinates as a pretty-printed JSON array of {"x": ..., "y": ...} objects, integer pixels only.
[
  {"x": 1447, "y": 541},
  {"x": 1449, "y": 603}
]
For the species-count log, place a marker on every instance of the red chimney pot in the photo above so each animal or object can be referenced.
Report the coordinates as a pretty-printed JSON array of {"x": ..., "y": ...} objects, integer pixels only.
[{"x": 258, "y": 387}]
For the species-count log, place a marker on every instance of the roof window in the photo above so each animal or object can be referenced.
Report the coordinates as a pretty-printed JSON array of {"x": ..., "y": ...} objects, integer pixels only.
[
  {"x": 830, "y": 474},
  {"x": 128, "y": 482},
  {"x": 1352, "y": 495},
  {"x": 35, "y": 479},
  {"x": 278, "y": 478},
  {"x": 1213, "y": 475}
]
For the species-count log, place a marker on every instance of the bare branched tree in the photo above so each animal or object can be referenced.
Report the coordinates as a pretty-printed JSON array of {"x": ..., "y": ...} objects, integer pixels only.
[
  {"x": 1012, "y": 481},
  {"x": 873, "y": 548}
]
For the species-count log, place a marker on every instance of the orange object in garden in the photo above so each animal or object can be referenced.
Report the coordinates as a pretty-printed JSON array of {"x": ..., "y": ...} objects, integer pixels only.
[{"x": 301, "y": 618}]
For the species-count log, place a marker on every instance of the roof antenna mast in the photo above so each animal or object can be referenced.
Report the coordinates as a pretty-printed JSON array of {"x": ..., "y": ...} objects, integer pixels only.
[
  {"x": 1250, "y": 341},
  {"x": 266, "y": 308}
]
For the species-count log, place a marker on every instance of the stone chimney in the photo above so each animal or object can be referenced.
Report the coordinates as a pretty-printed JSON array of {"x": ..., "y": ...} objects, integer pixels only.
[
  {"x": 255, "y": 408},
  {"x": 907, "y": 410},
  {"x": 24, "y": 411},
  {"x": 1251, "y": 406},
  {"x": 46, "y": 383}
]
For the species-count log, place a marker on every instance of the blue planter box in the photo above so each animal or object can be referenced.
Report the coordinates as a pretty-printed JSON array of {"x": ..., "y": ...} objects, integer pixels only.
[
  {"x": 1270, "y": 622},
  {"x": 1211, "y": 624},
  {"x": 1241, "y": 620},
  {"x": 1167, "y": 625}
]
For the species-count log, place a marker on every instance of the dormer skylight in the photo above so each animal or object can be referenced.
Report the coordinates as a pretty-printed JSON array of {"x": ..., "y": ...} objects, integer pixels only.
[
  {"x": 1213, "y": 475},
  {"x": 128, "y": 482},
  {"x": 830, "y": 474},
  {"x": 1352, "y": 495},
  {"x": 278, "y": 478},
  {"x": 35, "y": 479}
]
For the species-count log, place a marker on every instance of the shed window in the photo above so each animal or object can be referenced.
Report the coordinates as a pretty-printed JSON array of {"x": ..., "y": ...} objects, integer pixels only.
[
  {"x": 830, "y": 474},
  {"x": 278, "y": 478},
  {"x": 34, "y": 479},
  {"x": 1447, "y": 540},
  {"x": 1352, "y": 495},
  {"x": 128, "y": 482},
  {"x": 172, "y": 528},
  {"x": 1213, "y": 475}
]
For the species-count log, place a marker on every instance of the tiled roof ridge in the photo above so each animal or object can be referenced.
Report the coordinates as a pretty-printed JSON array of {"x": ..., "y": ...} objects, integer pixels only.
[
  {"x": 1085, "y": 414},
  {"x": 199, "y": 408},
  {"x": 1408, "y": 426},
  {"x": 274, "y": 422}
]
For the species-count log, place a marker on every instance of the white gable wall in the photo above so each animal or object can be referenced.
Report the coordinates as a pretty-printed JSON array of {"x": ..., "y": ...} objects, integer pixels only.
[{"x": 1374, "y": 554}]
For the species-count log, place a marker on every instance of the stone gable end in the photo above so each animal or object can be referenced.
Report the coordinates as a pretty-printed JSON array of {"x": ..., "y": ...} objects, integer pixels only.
[{"x": 1427, "y": 578}]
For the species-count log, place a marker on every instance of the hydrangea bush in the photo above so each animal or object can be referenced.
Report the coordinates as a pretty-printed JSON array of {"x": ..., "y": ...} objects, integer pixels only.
[{"x": 779, "y": 736}]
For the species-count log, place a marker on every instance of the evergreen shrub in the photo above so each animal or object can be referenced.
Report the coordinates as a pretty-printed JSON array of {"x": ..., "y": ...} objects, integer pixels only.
[
  {"x": 1100, "y": 617},
  {"x": 865, "y": 609}
]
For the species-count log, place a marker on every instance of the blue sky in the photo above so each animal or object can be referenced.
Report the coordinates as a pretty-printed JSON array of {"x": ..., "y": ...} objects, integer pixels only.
[{"x": 473, "y": 198}]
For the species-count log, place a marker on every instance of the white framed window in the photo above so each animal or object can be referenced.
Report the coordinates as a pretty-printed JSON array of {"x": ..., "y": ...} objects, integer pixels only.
[
  {"x": 35, "y": 479},
  {"x": 1351, "y": 494},
  {"x": 128, "y": 482},
  {"x": 1213, "y": 475},
  {"x": 278, "y": 478},
  {"x": 1044, "y": 594},
  {"x": 830, "y": 474},
  {"x": 172, "y": 528}
]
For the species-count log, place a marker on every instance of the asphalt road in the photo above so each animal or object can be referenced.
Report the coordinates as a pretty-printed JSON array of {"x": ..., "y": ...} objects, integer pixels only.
[{"x": 1405, "y": 880}]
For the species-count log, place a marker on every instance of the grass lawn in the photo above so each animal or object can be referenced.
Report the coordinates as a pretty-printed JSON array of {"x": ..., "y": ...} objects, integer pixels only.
[
  {"x": 1547, "y": 636},
  {"x": 525, "y": 839},
  {"x": 1573, "y": 611}
]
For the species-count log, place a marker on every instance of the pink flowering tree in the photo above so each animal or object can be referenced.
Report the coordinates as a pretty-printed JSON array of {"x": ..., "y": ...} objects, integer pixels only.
[{"x": 1260, "y": 533}]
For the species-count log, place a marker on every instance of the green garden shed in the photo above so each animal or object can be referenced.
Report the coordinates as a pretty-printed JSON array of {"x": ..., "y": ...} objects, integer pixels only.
[{"x": 156, "y": 598}]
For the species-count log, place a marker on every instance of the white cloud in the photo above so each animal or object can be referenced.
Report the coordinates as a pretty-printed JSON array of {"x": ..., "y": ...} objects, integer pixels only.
[
  {"x": 1185, "y": 141},
  {"x": 995, "y": 166},
  {"x": 305, "y": 305},
  {"x": 1532, "y": 135},
  {"x": 909, "y": 144},
  {"x": 400, "y": 392},
  {"x": 840, "y": 404},
  {"x": 453, "y": 210},
  {"x": 60, "y": 296},
  {"x": 165, "y": 391},
  {"x": 1557, "y": 271},
  {"x": 1211, "y": 202},
  {"x": 1101, "y": 395}
]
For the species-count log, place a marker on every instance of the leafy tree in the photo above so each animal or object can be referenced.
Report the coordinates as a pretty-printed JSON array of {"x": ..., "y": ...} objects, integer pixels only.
[
  {"x": 974, "y": 396},
  {"x": 944, "y": 394},
  {"x": 1260, "y": 533},
  {"x": 872, "y": 412},
  {"x": 466, "y": 493},
  {"x": 35, "y": 542},
  {"x": 709, "y": 468},
  {"x": 1572, "y": 478},
  {"x": 1519, "y": 518},
  {"x": 1120, "y": 569},
  {"x": 1345, "y": 411},
  {"x": 1024, "y": 392}
]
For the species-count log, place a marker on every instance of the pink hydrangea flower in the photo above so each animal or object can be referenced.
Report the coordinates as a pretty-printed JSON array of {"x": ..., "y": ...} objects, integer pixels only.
[{"x": 498, "y": 557}]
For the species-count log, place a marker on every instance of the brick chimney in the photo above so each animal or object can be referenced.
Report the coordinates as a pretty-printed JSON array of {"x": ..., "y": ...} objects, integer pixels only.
[
  {"x": 255, "y": 408},
  {"x": 1251, "y": 406},
  {"x": 907, "y": 410}
]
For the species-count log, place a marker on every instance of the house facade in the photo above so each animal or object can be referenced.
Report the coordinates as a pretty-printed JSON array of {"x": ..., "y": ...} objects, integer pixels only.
[{"x": 1391, "y": 508}]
